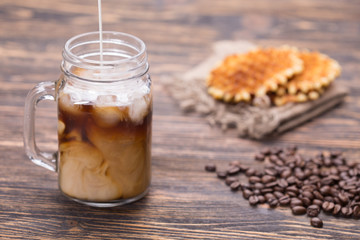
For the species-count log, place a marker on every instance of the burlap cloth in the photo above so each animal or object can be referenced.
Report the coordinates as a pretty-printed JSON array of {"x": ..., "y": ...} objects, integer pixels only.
[{"x": 253, "y": 121}]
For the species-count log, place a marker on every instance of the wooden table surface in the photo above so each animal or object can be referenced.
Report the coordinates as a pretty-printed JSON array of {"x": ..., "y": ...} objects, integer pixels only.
[{"x": 184, "y": 201}]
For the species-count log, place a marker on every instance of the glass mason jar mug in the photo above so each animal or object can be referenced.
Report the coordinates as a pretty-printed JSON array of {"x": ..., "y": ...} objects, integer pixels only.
[{"x": 104, "y": 120}]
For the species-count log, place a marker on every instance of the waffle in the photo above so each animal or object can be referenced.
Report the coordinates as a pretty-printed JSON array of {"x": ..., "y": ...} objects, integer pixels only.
[
  {"x": 319, "y": 71},
  {"x": 242, "y": 76}
]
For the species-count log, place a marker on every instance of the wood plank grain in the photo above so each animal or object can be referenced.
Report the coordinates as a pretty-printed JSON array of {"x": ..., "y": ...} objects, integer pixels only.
[{"x": 184, "y": 201}]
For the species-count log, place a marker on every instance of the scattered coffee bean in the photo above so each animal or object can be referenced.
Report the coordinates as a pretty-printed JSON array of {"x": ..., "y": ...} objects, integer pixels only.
[
  {"x": 271, "y": 172},
  {"x": 282, "y": 183},
  {"x": 317, "y": 202},
  {"x": 229, "y": 180},
  {"x": 316, "y": 222},
  {"x": 285, "y": 200},
  {"x": 267, "y": 178},
  {"x": 210, "y": 167},
  {"x": 266, "y": 190},
  {"x": 254, "y": 179},
  {"x": 326, "y": 181},
  {"x": 337, "y": 209},
  {"x": 306, "y": 201},
  {"x": 260, "y": 157},
  {"x": 343, "y": 198},
  {"x": 250, "y": 172},
  {"x": 247, "y": 193},
  {"x": 346, "y": 211},
  {"x": 273, "y": 202},
  {"x": 278, "y": 194},
  {"x": 318, "y": 195},
  {"x": 313, "y": 211},
  {"x": 295, "y": 202},
  {"x": 356, "y": 211},
  {"x": 233, "y": 170},
  {"x": 328, "y": 206},
  {"x": 298, "y": 210},
  {"x": 221, "y": 174},
  {"x": 253, "y": 200},
  {"x": 234, "y": 186},
  {"x": 308, "y": 195}
]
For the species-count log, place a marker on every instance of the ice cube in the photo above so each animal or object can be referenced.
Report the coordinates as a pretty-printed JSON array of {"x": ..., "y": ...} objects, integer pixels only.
[
  {"x": 109, "y": 116},
  {"x": 139, "y": 109},
  {"x": 67, "y": 105}
]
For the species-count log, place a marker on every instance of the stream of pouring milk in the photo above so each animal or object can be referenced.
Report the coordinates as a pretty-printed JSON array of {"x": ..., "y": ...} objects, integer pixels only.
[{"x": 100, "y": 33}]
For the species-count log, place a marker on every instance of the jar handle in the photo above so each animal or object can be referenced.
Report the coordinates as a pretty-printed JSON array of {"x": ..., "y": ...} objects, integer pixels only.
[{"x": 42, "y": 91}]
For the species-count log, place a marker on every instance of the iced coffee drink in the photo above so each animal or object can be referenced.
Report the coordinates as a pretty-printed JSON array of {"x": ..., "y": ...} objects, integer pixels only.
[{"x": 104, "y": 141}]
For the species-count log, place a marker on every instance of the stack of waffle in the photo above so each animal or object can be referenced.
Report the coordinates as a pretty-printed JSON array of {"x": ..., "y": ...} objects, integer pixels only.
[{"x": 284, "y": 74}]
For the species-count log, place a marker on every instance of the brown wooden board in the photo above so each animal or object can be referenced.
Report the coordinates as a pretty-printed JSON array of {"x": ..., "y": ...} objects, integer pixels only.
[{"x": 184, "y": 201}]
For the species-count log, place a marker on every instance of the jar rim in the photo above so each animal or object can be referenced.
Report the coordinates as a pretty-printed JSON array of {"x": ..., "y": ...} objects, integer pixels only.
[{"x": 123, "y": 50}]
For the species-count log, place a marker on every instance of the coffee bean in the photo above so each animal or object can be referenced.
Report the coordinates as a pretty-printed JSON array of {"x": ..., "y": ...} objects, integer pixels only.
[
  {"x": 317, "y": 202},
  {"x": 291, "y": 180},
  {"x": 308, "y": 195},
  {"x": 325, "y": 190},
  {"x": 258, "y": 185},
  {"x": 221, "y": 174},
  {"x": 253, "y": 200},
  {"x": 233, "y": 170},
  {"x": 354, "y": 203},
  {"x": 291, "y": 194},
  {"x": 234, "y": 186},
  {"x": 254, "y": 179},
  {"x": 318, "y": 195},
  {"x": 261, "y": 199},
  {"x": 285, "y": 200},
  {"x": 267, "y": 178},
  {"x": 229, "y": 180},
  {"x": 343, "y": 198},
  {"x": 250, "y": 172},
  {"x": 259, "y": 157},
  {"x": 337, "y": 200},
  {"x": 282, "y": 183},
  {"x": 266, "y": 190},
  {"x": 306, "y": 201},
  {"x": 286, "y": 173},
  {"x": 273, "y": 202},
  {"x": 271, "y": 172},
  {"x": 328, "y": 206},
  {"x": 329, "y": 199},
  {"x": 356, "y": 211},
  {"x": 210, "y": 167},
  {"x": 346, "y": 211},
  {"x": 279, "y": 189},
  {"x": 295, "y": 202},
  {"x": 271, "y": 184},
  {"x": 293, "y": 189},
  {"x": 337, "y": 209},
  {"x": 313, "y": 210},
  {"x": 278, "y": 194},
  {"x": 269, "y": 196},
  {"x": 298, "y": 210},
  {"x": 273, "y": 158},
  {"x": 247, "y": 193},
  {"x": 316, "y": 222}
]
